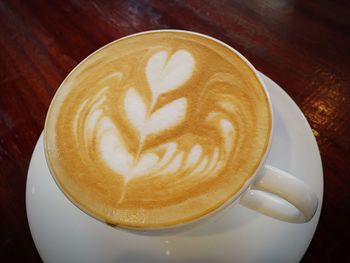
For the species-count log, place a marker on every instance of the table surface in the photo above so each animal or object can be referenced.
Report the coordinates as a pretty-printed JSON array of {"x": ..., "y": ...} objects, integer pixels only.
[{"x": 302, "y": 45}]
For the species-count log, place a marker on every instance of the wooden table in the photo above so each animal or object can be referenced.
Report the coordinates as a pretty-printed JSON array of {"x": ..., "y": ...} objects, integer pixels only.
[{"x": 302, "y": 45}]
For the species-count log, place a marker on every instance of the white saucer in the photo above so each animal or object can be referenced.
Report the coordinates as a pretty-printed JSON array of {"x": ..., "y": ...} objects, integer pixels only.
[{"x": 63, "y": 233}]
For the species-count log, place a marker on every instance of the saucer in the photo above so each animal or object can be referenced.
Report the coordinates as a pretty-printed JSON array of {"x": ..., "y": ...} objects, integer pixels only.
[{"x": 63, "y": 233}]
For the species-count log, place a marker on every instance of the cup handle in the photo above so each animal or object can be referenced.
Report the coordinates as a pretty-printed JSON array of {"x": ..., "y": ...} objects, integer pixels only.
[{"x": 280, "y": 195}]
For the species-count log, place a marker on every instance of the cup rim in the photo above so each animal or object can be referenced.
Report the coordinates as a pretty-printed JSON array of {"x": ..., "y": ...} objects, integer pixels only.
[{"x": 192, "y": 221}]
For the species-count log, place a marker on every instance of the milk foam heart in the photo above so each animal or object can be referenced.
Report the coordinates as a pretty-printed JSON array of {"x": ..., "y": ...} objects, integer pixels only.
[{"x": 157, "y": 129}]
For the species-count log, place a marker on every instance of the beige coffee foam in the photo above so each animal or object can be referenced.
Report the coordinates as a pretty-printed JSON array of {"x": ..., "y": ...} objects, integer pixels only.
[{"x": 221, "y": 83}]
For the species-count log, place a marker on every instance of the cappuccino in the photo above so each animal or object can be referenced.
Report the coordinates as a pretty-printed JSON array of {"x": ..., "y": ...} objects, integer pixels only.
[{"x": 157, "y": 129}]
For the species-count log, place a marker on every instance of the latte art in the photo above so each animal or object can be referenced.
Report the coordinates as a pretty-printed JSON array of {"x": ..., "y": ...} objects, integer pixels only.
[
  {"x": 174, "y": 157},
  {"x": 157, "y": 129}
]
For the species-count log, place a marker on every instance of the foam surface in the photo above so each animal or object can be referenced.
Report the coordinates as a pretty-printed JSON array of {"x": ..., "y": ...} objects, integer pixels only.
[{"x": 157, "y": 129}]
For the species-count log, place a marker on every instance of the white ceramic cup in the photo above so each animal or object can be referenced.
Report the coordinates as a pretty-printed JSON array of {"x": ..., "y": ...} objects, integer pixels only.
[{"x": 269, "y": 190}]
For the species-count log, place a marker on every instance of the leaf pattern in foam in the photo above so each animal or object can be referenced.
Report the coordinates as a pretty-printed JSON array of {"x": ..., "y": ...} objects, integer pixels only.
[
  {"x": 165, "y": 74},
  {"x": 135, "y": 108},
  {"x": 166, "y": 117},
  {"x": 112, "y": 147}
]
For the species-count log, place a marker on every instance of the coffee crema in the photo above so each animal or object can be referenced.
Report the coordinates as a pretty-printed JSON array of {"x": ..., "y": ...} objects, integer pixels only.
[{"x": 157, "y": 129}]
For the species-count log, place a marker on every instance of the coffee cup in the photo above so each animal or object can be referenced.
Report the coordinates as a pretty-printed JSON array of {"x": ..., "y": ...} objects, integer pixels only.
[{"x": 165, "y": 128}]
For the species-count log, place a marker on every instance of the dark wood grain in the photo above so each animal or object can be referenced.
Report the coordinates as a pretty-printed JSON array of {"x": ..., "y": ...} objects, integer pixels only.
[{"x": 302, "y": 45}]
